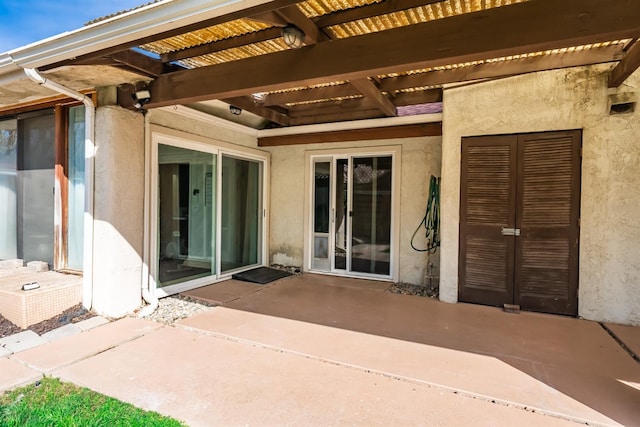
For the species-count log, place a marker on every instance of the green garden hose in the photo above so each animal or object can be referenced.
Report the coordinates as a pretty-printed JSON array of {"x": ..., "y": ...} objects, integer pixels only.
[{"x": 431, "y": 220}]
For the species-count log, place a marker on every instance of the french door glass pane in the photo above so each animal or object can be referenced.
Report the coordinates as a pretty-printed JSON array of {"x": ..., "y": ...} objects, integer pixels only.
[
  {"x": 36, "y": 159},
  {"x": 371, "y": 218},
  {"x": 75, "y": 173},
  {"x": 186, "y": 214},
  {"x": 241, "y": 210},
  {"x": 321, "y": 204},
  {"x": 8, "y": 189},
  {"x": 342, "y": 217}
]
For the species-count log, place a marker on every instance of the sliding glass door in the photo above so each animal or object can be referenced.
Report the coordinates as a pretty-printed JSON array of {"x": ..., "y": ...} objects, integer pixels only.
[
  {"x": 209, "y": 210},
  {"x": 352, "y": 215},
  {"x": 186, "y": 214},
  {"x": 241, "y": 211}
]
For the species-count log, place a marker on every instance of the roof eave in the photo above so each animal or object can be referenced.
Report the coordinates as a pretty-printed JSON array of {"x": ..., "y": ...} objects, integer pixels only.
[{"x": 130, "y": 26}]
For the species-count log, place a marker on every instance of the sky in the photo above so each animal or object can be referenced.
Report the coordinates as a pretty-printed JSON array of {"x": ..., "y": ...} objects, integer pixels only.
[{"x": 26, "y": 21}]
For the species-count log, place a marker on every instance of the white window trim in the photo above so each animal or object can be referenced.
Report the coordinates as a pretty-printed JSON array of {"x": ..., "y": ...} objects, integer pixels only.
[
  {"x": 163, "y": 135},
  {"x": 396, "y": 152}
]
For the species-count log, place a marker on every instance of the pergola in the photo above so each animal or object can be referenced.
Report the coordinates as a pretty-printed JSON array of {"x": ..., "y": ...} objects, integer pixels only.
[{"x": 365, "y": 59}]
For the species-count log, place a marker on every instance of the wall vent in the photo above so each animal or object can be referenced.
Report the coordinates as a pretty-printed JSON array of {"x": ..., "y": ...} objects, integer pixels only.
[{"x": 622, "y": 108}]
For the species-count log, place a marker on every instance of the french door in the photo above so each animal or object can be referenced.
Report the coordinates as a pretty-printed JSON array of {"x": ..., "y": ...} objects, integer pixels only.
[
  {"x": 209, "y": 214},
  {"x": 352, "y": 215}
]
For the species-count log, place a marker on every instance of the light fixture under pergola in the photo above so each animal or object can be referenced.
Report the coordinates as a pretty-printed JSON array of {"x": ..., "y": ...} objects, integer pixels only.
[{"x": 293, "y": 36}]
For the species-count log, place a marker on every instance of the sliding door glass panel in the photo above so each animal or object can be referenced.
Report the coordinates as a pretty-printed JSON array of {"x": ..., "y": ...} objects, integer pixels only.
[
  {"x": 185, "y": 214},
  {"x": 36, "y": 159},
  {"x": 342, "y": 217},
  {"x": 8, "y": 189},
  {"x": 321, "y": 215},
  {"x": 76, "y": 180},
  {"x": 371, "y": 219},
  {"x": 241, "y": 210}
]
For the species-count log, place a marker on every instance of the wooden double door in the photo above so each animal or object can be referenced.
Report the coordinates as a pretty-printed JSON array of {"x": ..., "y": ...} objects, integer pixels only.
[{"x": 519, "y": 221}]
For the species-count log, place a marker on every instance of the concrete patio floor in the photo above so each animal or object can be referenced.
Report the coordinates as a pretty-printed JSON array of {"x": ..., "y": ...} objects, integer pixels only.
[{"x": 319, "y": 350}]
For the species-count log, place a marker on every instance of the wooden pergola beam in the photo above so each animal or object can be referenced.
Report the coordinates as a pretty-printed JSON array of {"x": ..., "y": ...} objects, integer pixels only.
[
  {"x": 312, "y": 94},
  {"x": 626, "y": 67},
  {"x": 492, "y": 33},
  {"x": 217, "y": 46},
  {"x": 387, "y": 132},
  {"x": 503, "y": 68},
  {"x": 247, "y": 103},
  {"x": 372, "y": 113},
  {"x": 139, "y": 62},
  {"x": 371, "y": 91},
  {"x": 376, "y": 9},
  {"x": 293, "y": 15}
]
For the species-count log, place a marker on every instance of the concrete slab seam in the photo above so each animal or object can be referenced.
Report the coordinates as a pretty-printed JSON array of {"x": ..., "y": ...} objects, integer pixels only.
[
  {"x": 392, "y": 376},
  {"x": 620, "y": 342},
  {"x": 117, "y": 344},
  {"x": 102, "y": 351}
]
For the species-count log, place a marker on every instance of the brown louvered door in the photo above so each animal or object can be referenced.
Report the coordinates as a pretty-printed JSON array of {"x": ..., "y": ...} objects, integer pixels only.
[
  {"x": 488, "y": 204},
  {"x": 546, "y": 258},
  {"x": 519, "y": 213}
]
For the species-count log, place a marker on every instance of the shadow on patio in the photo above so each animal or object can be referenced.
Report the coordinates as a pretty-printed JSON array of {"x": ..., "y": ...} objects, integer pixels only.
[{"x": 574, "y": 368}]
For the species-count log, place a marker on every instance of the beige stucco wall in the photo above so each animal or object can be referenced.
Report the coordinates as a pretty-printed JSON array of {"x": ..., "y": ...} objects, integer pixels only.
[
  {"x": 577, "y": 98},
  {"x": 201, "y": 128},
  {"x": 119, "y": 200},
  {"x": 420, "y": 159}
]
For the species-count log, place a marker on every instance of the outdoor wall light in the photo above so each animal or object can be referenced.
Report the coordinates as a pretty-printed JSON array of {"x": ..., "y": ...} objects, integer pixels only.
[
  {"x": 293, "y": 36},
  {"x": 259, "y": 97},
  {"x": 235, "y": 110},
  {"x": 141, "y": 97}
]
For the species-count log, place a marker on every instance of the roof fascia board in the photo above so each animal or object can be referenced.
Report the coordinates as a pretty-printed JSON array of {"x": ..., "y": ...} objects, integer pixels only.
[{"x": 130, "y": 26}]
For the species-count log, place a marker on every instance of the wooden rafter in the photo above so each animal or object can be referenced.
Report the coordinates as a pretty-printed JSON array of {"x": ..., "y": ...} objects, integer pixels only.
[
  {"x": 293, "y": 15},
  {"x": 247, "y": 103},
  {"x": 626, "y": 67},
  {"x": 217, "y": 46},
  {"x": 372, "y": 113},
  {"x": 139, "y": 62},
  {"x": 270, "y": 18},
  {"x": 456, "y": 39},
  {"x": 376, "y": 9},
  {"x": 331, "y": 107},
  {"x": 312, "y": 94},
  {"x": 371, "y": 91},
  {"x": 503, "y": 68}
]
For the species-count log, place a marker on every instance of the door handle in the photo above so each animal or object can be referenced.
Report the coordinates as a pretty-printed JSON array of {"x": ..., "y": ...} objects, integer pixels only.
[{"x": 510, "y": 231}]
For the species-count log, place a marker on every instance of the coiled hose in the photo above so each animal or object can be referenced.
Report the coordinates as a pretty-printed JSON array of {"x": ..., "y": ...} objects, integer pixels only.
[{"x": 431, "y": 220}]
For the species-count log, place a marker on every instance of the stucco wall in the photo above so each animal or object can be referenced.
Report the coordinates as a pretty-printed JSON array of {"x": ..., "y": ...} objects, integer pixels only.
[
  {"x": 420, "y": 159},
  {"x": 577, "y": 98},
  {"x": 201, "y": 128},
  {"x": 118, "y": 226}
]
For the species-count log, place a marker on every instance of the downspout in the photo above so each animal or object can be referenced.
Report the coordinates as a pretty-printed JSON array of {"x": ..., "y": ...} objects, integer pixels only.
[
  {"x": 89, "y": 164},
  {"x": 147, "y": 296}
]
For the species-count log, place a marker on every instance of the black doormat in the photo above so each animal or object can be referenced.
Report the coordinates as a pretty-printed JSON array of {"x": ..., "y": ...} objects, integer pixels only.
[{"x": 261, "y": 275}]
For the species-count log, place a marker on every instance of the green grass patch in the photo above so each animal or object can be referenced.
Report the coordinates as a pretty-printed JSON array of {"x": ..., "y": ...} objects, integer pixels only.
[{"x": 54, "y": 403}]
